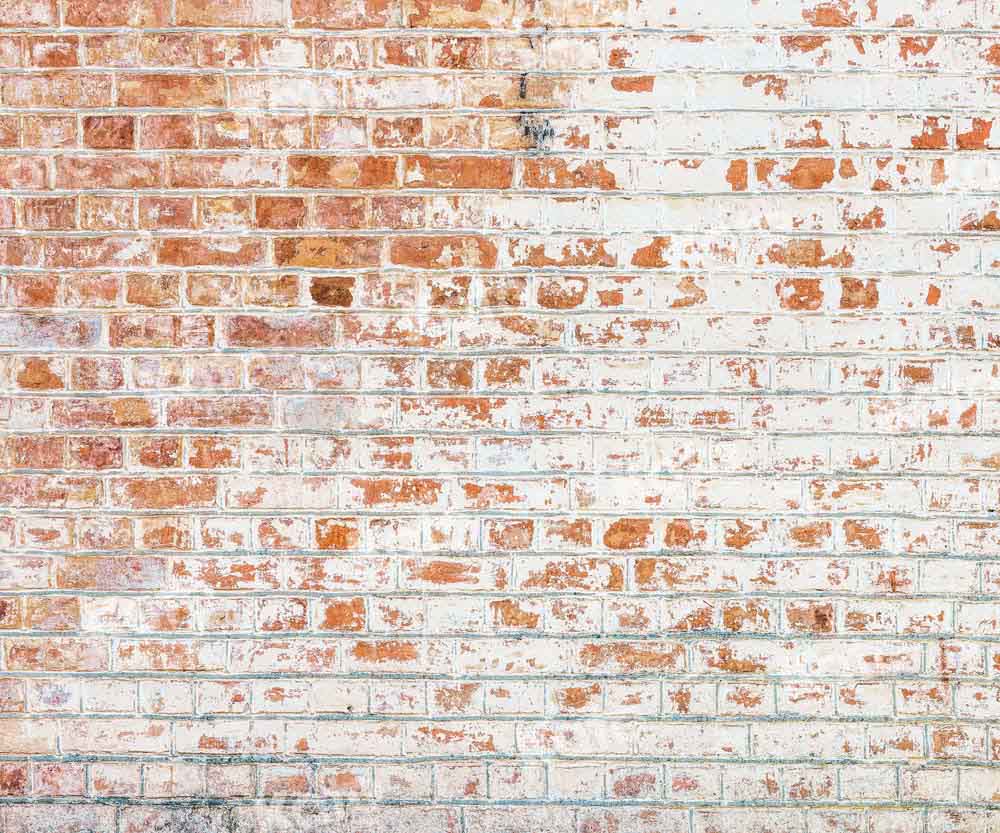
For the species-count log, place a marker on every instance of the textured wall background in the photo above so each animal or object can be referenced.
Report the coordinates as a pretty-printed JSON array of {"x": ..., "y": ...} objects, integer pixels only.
[{"x": 496, "y": 416}]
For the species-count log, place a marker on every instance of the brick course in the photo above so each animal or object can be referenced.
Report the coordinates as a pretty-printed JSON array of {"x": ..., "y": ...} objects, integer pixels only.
[{"x": 499, "y": 416}]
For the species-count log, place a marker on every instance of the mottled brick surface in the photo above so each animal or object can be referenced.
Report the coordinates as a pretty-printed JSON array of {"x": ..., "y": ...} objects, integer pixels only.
[{"x": 499, "y": 416}]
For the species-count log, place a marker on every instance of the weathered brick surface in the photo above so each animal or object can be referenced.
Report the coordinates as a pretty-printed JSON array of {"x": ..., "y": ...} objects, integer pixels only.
[{"x": 499, "y": 416}]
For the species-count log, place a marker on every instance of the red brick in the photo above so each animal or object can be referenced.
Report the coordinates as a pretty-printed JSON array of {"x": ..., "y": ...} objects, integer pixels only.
[
  {"x": 107, "y": 132},
  {"x": 341, "y": 171},
  {"x": 163, "y": 90}
]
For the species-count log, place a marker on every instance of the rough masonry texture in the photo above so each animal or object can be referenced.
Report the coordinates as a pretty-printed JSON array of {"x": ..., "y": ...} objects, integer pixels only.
[{"x": 499, "y": 416}]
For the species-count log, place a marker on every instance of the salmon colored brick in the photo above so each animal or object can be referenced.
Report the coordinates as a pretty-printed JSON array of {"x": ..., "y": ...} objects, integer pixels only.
[{"x": 478, "y": 416}]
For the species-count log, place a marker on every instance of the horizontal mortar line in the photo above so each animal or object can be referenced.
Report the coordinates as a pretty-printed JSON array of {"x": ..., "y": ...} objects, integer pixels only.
[
  {"x": 515, "y": 757},
  {"x": 826, "y": 471},
  {"x": 527, "y": 755},
  {"x": 636, "y": 595},
  {"x": 467, "y": 474},
  {"x": 569, "y": 351},
  {"x": 542, "y": 395},
  {"x": 646, "y": 436},
  {"x": 835, "y": 596},
  {"x": 531, "y": 233},
  {"x": 598, "y": 273},
  {"x": 603, "y": 638},
  {"x": 727, "y": 512},
  {"x": 347, "y": 638},
  {"x": 341, "y": 343},
  {"x": 525, "y": 635},
  {"x": 632, "y": 395},
  {"x": 944, "y": 107},
  {"x": 542, "y": 32},
  {"x": 869, "y": 720},
  {"x": 650, "y": 157},
  {"x": 367, "y": 676},
  {"x": 537, "y": 229},
  {"x": 489, "y": 313},
  {"x": 568, "y": 343},
  {"x": 947, "y": 435},
  {"x": 683, "y": 236},
  {"x": 440, "y": 320},
  {"x": 255, "y": 233},
  {"x": 264, "y": 190},
  {"x": 747, "y": 396},
  {"x": 507, "y": 271},
  {"x": 826, "y": 474},
  {"x": 512, "y": 112},
  {"x": 799, "y": 104},
  {"x": 671, "y": 678},
  {"x": 563, "y": 350},
  {"x": 312, "y": 802},
  {"x": 572, "y": 271},
  {"x": 277, "y": 189},
  {"x": 434, "y": 595},
  {"x": 395, "y": 233},
  {"x": 686, "y": 71},
  {"x": 975, "y": 70}
]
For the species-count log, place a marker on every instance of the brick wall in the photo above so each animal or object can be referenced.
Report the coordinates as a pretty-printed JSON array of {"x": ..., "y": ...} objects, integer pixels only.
[{"x": 499, "y": 416}]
